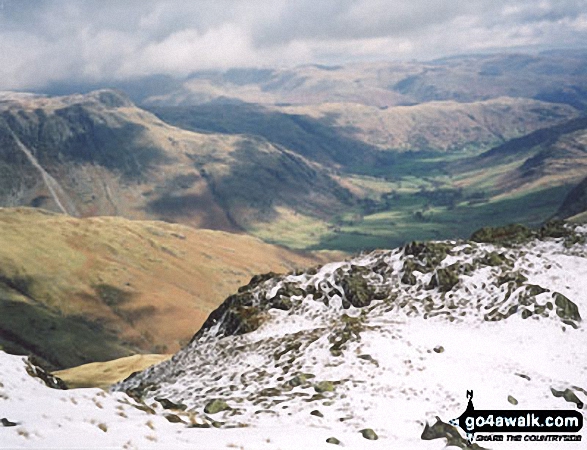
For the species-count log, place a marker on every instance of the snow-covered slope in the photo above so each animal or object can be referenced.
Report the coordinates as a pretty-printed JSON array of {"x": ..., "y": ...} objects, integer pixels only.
[{"x": 378, "y": 345}]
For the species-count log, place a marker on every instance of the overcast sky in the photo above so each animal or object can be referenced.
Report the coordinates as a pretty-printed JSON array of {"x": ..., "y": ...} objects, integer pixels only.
[{"x": 94, "y": 40}]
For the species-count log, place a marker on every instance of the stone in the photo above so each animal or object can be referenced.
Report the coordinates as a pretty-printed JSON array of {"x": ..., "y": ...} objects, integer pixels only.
[
  {"x": 369, "y": 434},
  {"x": 215, "y": 406}
]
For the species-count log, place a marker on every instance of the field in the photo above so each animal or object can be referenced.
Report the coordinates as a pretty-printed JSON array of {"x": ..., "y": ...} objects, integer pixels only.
[{"x": 418, "y": 202}]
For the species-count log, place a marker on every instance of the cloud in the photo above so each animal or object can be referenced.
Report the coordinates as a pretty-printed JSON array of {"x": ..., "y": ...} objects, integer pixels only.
[{"x": 91, "y": 40}]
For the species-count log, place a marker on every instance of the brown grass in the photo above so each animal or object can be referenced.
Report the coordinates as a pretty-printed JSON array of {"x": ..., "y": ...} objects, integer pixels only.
[{"x": 151, "y": 283}]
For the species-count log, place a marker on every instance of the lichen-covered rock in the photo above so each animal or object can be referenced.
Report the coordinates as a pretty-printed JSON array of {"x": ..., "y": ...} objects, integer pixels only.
[
  {"x": 495, "y": 259},
  {"x": 357, "y": 290},
  {"x": 324, "y": 386},
  {"x": 569, "y": 396},
  {"x": 369, "y": 434},
  {"x": 507, "y": 235},
  {"x": 215, "y": 406},
  {"x": 566, "y": 310},
  {"x": 173, "y": 418},
  {"x": 445, "y": 278}
]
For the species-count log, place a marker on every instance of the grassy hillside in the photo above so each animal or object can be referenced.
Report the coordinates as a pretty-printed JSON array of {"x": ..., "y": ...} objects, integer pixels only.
[
  {"x": 104, "y": 374},
  {"x": 81, "y": 290}
]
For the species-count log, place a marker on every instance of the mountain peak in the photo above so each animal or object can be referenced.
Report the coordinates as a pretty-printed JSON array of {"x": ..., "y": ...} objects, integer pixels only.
[{"x": 111, "y": 98}]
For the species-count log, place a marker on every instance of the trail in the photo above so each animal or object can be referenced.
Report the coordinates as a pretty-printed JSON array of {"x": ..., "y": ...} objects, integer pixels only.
[{"x": 54, "y": 187}]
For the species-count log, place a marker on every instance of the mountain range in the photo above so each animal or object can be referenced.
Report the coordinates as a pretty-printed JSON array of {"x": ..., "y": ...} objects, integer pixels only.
[{"x": 311, "y": 171}]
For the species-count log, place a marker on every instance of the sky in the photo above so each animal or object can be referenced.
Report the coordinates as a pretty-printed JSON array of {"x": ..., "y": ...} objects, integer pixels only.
[{"x": 49, "y": 41}]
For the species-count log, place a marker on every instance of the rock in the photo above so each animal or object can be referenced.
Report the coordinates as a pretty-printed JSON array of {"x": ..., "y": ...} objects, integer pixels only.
[
  {"x": 173, "y": 418},
  {"x": 443, "y": 430},
  {"x": 36, "y": 371},
  {"x": 300, "y": 379},
  {"x": 317, "y": 413},
  {"x": 256, "y": 280},
  {"x": 215, "y": 406},
  {"x": 333, "y": 440},
  {"x": 7, "y": 423},
  {"x": 515, "y": 277},
  {"x": 569, "y": 396},
  {"x": 324, "y": 386},
  {"x": 439, "y": 349},
  {"x": 507, "y": 235},
  {"x": 566, "y": 310},
  {"x": 495, "y": 259},
  {"x": 445, "y": 278},
  {"x": 555, "y": 229},
  {"x": 369, "y": 434},
  {"x": 168, "y": 404},
  {"x": 512, "y": 400},
  {"x": 356, "y": 288}
]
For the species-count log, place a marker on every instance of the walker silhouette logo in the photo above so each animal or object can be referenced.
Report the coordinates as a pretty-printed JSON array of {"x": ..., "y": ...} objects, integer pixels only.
[{"x": 519, "y": 421}]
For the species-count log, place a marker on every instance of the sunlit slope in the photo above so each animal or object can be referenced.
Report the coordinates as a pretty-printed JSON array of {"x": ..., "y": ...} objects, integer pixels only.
[
  {"x": 544, "y": 159},
  {"x": 104, "y": 374},
  {"x": 81, "y": 290}
]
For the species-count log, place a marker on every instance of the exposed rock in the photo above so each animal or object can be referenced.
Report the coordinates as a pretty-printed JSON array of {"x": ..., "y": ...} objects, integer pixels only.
[
  {"x": 7, "y": 423},
  {"x": 36, "y": 371},
  {"x": 369, "y": 434},
  {"x": 445, "y": 278},
  {"x": 569, "y": 396},
  {"x": 215, "y": 406},
  {"x": 442, "y": 430},
  {"x": 512, "y": 400},
  {"x": 507, "y": 235},
  {"x": 324, "y": 386},
  {"x": 168, "y": 404},
  {"x": 333, "y": 440},
  {"x": 173, "y": 418},
  {"x": 357, "y": 289},
  {"x": 566, "y": 310}
]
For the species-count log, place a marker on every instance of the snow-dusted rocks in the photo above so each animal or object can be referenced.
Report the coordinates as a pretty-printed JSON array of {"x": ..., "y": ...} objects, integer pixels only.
[
  {"x": 359, "y": 341},
  {"x": 387, "y": 342}
]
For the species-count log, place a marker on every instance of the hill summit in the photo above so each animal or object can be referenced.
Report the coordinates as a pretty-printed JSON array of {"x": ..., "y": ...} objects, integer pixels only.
[
  {"x": 382, "y": 347},
  {"x": 390, "y": 339}
]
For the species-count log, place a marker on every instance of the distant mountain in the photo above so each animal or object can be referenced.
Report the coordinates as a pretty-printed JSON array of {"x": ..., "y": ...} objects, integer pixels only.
[
  {"x": 98, "y": 154},
  {"x": 552, "y": 77},
  {"x": 356, "y": 137},
  {"x": 82, "y": 290}
]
